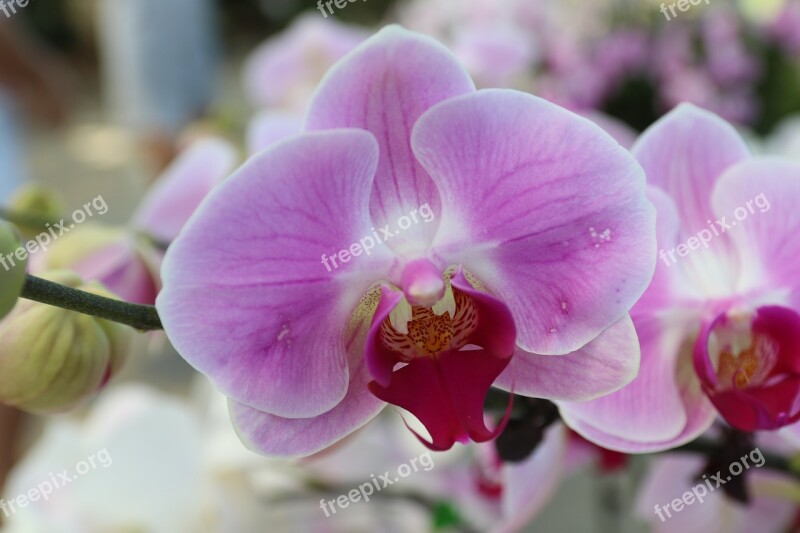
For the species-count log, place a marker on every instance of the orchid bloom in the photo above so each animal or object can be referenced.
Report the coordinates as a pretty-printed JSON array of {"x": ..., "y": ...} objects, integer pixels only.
[
  {"x": 127, "y": 259},
  {"x": 772, "y": 506},
  {"x": 284, "y": 70},
  {"x": 506, "y": 497},
  {"x": 719, "y": 324},
  {"x": 540, "y": 240}
]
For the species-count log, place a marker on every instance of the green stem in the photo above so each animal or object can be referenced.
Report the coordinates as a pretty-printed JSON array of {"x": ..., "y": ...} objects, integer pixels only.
[{"x": 141, "y": 317}]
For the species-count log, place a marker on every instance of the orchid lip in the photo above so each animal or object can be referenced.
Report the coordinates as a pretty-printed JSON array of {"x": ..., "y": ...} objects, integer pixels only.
[
  {"x": 749, "y": 365},
  {"x": 438, "y": 362}
]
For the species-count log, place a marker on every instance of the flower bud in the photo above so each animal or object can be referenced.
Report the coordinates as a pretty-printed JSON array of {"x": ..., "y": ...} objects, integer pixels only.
[
  {"x": 12, "y": 270},
  {"x": 123, "y": 262},
  {"x": 39, "y": 203},
  {"x": 51, "y": 358}
]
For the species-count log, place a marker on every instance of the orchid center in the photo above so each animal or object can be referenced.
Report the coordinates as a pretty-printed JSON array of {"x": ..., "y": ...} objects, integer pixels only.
[
  {"x": 744, "y": 357},
  {"x": 749, "y": 365},
  {"x": 435, "y": 348},
  {"x": 418, "y": 331}
]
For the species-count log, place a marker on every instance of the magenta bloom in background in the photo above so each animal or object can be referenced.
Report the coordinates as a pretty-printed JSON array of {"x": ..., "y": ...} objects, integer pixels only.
[
  {"x": 719, "y": 325},
  {"x": 541, "y": 242}
]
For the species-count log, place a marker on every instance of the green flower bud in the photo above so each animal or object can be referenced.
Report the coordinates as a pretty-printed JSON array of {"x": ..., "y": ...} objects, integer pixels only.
[
  {"x": 12, "y": 270},
  {"x": 51, "y": 359},
  {"x": 36, "y": 202}
]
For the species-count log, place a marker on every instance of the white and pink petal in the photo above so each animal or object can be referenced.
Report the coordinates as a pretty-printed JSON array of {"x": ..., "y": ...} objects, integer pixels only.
[
  {"x": 384, "y": 86},
  {"x": 545, "y": 208},
  {"x": 603, "y": 366},
  {"x": 759, "y": 197},
  {"x": 663, "y": 407},
  {"x": 684, "y": 154},
  {"x": 247, "y": 299}
]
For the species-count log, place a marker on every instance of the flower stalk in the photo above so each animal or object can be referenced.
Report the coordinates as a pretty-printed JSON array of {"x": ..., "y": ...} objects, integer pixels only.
[{"x": 140, "y": 317}]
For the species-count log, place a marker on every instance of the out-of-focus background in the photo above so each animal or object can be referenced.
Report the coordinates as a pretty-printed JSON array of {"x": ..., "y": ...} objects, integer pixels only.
[{"x": 99, "y": 98}]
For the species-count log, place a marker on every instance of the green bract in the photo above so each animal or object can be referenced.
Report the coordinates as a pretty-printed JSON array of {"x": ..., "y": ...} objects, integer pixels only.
[{"x": 51, "y": 359}]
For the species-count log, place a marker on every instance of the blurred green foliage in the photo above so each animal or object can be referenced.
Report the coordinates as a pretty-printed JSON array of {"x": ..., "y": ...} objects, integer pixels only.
[{"x": 779, "y": 89}]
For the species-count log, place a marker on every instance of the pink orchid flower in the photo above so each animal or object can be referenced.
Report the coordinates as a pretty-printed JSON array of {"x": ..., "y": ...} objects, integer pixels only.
[
  {"x": 540, "y": 240},
  {"x": 506, "y": 497},
  {"x": 671, "y": 477},
  {"x": 719, "y": 324},
  {"x": 284, "y": 70},
  {"x": 127, "y": 259}
]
